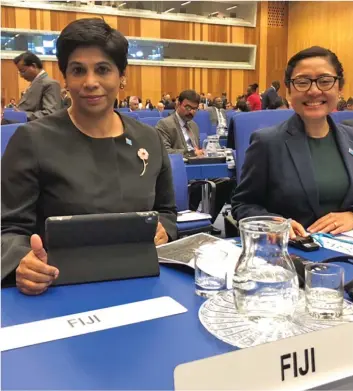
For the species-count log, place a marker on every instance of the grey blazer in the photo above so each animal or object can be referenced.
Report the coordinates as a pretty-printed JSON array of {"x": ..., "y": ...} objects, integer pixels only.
[
  {"x": 348, "y": 122},
  {"x": 41, "y": 98},
  {"x": 213, "y": 115},
  {"x": 172, "y": 134}
]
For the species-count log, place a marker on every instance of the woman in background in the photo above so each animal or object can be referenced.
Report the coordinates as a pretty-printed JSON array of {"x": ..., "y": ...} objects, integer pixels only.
[
  {"x": 84, "y": 160},
  {"x": 302, "y": 169},
  {"x": 149, "y": 105},
  {"x": 254, "y": 99}
]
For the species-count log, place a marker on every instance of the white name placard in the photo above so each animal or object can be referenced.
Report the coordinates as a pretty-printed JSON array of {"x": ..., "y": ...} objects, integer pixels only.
[
  {"x": 297, "y": 363},
  {"x": 33, "y": 333}
]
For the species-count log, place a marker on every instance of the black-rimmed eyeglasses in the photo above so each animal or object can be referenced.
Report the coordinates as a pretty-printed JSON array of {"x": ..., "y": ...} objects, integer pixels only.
[{"x": 323, "y": 83}]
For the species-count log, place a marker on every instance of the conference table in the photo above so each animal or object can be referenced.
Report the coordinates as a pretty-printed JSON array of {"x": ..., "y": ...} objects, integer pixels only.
[
  {"x": 138, "y": 356},
  {"x": 204, "y": 171}
]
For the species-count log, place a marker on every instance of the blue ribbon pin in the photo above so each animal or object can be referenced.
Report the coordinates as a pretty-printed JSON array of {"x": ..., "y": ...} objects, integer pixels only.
[{"x": 129, "y": 142}]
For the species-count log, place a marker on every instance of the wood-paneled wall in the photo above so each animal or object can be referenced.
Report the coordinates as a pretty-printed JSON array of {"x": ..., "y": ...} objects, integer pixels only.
[
  {"x": 327, "y": 24},
  {"x": 152, "y": 81}
]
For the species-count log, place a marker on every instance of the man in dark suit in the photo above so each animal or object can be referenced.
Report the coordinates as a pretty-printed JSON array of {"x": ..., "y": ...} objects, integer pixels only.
[
  {"x": 181, "y": 134},
  {"x": 42, "y": 97},
  {"x": 270, "y": 95},
  {"x": 217, "y": 113},
  {"x": 348, "y": 122}
]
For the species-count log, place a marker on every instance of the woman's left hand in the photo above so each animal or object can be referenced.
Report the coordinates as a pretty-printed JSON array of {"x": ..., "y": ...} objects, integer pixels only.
[
  {"x": 161, "y": 235},
  {"x": 333, "y": 223}
]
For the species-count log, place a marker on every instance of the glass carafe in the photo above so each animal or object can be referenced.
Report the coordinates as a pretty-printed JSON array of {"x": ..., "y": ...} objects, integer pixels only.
[
  {"x": 211, "y": 145},
  {"x": 265, "y": 282}
]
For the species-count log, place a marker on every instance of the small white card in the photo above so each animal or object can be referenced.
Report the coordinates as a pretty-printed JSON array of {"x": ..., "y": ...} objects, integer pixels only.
[
  {"x": 33, "y": 333},
  {"x": 188, "y": 215}
]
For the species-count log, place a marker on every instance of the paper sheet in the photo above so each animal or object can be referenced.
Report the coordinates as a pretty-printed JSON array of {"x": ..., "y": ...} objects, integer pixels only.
[
  {"x": 336, "y": 245},
  {"x": 33, "y": 333},
  {"x": 188, "y": 215}
]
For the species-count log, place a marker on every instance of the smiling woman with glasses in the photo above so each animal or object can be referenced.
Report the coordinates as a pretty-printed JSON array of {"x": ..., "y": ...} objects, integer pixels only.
[{"x": 303, "y": 168}]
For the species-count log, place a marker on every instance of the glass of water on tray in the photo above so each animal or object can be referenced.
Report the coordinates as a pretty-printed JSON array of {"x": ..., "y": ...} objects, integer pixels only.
[
  {"x": 324, "y": 290},
  {"x": 210, "y": 270}
]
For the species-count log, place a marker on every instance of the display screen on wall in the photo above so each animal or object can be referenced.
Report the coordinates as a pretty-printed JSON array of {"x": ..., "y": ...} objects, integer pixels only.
[{"x": 45, "y": 44}]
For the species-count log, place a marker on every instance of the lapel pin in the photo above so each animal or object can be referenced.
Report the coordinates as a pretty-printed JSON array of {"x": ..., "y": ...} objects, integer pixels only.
[
  {"x": 128, "y": 141},
  {"x": 350, "y": 150}
]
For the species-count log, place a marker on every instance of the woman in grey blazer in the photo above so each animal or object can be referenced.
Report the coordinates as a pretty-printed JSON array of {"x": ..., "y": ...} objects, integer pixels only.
[
  {"x": 303, "y": 168},
  {"x": 84, "y": 160}
]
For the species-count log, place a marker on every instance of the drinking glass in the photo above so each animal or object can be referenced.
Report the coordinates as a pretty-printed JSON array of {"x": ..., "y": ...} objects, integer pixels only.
[
  {"x": 210, "y": 270},
  {"x": 324, "y": 290}
]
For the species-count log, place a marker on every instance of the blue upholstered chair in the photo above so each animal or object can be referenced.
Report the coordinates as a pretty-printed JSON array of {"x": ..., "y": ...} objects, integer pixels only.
[
  {"x": 166, "y": 113},
  {"x": 6, "y": 133},
  {"x": 339, "y": 116},
  {"x": 18, "y": 116},
  {"x": 181, "y": 190},
  {"x": 247, "y": 123},
  {"x": 124, "y": 109},
  {"x": 203, "y": 120},
  {"x": 148, "y": 113},
  {"x": 131, "y": 114},
  {"x": 152, "y": 121}
]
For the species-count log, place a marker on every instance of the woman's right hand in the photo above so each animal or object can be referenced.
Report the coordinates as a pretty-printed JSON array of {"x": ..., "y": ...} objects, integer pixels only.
[
  {"x": 34, "y": 275},
  {"x": 297, "y": 230}
]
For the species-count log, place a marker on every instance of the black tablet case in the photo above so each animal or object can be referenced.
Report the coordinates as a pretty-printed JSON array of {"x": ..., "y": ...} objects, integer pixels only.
[{"x": 101, "y": 247}]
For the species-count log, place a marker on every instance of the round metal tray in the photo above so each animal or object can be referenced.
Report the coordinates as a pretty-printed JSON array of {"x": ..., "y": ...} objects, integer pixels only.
[{"x": 219, "y": 316}]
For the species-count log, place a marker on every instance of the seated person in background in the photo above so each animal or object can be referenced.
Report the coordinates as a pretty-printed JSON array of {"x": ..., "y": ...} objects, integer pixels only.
[
  {"x": 149, "y": 105},
  {"x": 302, "y": 169},
  {"x": 349, "y": 106},
  {"x": 83, "y": 160},
  {"x": 229, "y": 106},
  {"x": 217, "y": 113},
  {"x": 201, "y": 106},
  {"x": 254, "y": 99},
  {"x": 12, "y": 104},
  {"x": 5, "y": 121},
  {"x": 160, "y": 107},
  {"x": 42, "y": 97},
  {"x": 242, "y": 106},
  {"x": 65, "y": 99},
  {"x": 341, "y": 106},
  {"x": 279, "y": 104},
  {"x": 270, "y": 95},
  {"x": 134, "y": 103},
  {"x": 180, "y": 134}
]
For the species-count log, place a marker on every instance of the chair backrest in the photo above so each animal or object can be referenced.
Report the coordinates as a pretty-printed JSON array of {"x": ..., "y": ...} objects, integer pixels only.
[
  {"x": 18, "y": 116},
  {"x": 131, "y": 114},
  {"x": 6, "y": 133},
  {"x": 247, "y": 123},
  {"x": 166, "y": 113},
  {"x": 203, "y": 120},
  {"x": 180, "y": 181},
  {"x": 148, "y": 113},
  {"x": 339, "y": 116},
  {"x": 152, "y": 121}
]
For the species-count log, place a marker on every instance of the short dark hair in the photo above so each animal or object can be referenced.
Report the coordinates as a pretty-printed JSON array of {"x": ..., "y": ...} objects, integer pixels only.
[
  {"x": 314, "y": 51},
  {"x": 276, "y": 84},
  {"x": 29, "y": 58},
  {"x": 254, "y": 87},
  {"x": 242, "y": 106},
  {"x": 190, "y": 95},
  {"x": 350, "y": 101},
  {"x": 92, "y": 32},
  {"x": 279, "y": 101}
]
